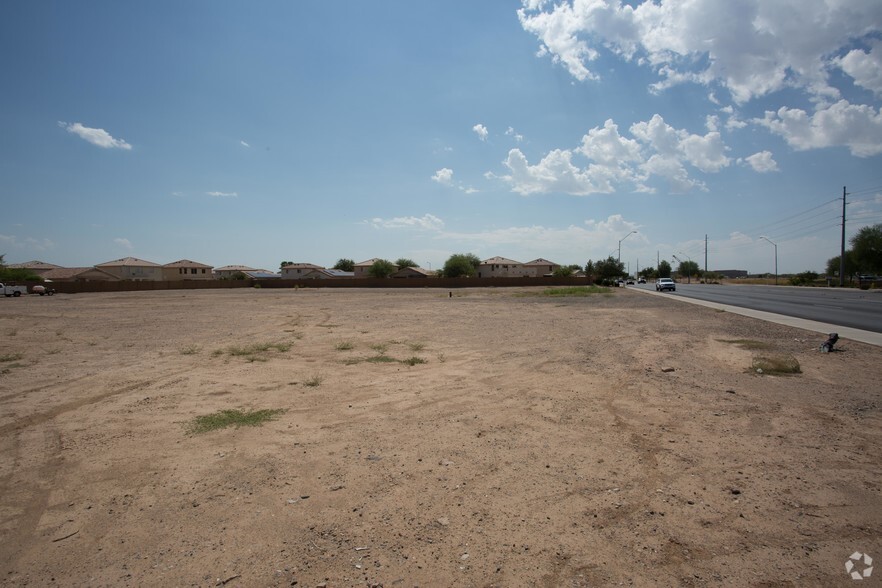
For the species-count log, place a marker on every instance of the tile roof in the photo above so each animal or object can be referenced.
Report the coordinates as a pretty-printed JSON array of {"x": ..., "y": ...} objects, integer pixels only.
[
  {"x": 33, "y": 265},
  {"x": 302, "y": 266},
  {"x": 235, "y": 268},
  {"x": 67, "y": 273},
  {"x": 541, "y": 261},
  {"x": 501, "y": 261},
  {"x": 186, "y": 263},
  {"x": 128, "y": 262}
]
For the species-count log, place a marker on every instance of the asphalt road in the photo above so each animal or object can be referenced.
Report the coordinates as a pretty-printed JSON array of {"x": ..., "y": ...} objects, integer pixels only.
[{"x": 858, "y": 309}]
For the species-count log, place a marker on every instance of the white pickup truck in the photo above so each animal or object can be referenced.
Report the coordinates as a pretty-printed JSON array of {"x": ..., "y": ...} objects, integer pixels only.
[{"x": 13, "y": 290}]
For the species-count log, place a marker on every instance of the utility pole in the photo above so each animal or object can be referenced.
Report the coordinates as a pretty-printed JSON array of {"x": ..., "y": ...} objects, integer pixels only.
[
  {"x": 842, "y": 245},
  {"x": 705, "y": 253}
]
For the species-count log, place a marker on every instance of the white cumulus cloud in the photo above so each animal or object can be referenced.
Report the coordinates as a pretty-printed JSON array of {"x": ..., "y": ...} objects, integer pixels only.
[
  {"x": 481, "y": 131},
  {"x": 749, "y": 47},
  {"x": 244, "y": 144},
  {"x": 125, "y": 243},
  {"x": 865, "y": 67},
  {"x": 443, "y": 176},
  {"x": 98, "y": 137},
  {"x": 856, "y": 126},
  {"x": 612, "y": 160},
  {"x": 761, "y": 162},
  {"x": 222, "y": 194}
]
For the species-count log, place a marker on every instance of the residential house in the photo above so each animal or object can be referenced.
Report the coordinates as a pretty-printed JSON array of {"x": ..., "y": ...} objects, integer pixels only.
[
  {"x": 501, "y": 267},
  {"x": 185, "y": 269},
  {"x": 79, "y": 274},
  {"x": 132, "y": 268},
  {"x": 262, "y": 274},
  {"x": 361, "y": 269},
  {"x": 542, "y": 267},
  {"x": 228, "y": 271},
  {"x": 413, "y": 272},
  {"x": 36, "y": 267},
  {"x": 327, "y": 274},
  {"x": 296, "y": 271}
]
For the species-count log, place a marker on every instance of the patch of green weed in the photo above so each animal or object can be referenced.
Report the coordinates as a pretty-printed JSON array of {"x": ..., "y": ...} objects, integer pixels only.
[
  {"x": 231, "y": 418},
  {"x": 776, "y": 364}
]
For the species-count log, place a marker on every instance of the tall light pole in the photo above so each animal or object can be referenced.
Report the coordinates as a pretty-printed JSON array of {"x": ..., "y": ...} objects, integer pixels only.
[
  {"x": 776, "y": 257},
  {"x": 620, "y": 244}
]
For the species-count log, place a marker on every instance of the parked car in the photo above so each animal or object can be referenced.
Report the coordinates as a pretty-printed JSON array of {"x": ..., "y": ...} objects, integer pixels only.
[
  {"x": 630, "y": 281},
  {"x": 663, "y": 284},
  {"x": 641, "y": 281}
]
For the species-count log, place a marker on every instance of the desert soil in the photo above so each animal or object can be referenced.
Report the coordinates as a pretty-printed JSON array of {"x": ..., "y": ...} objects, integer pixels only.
[{"x": 618, "y": 439}]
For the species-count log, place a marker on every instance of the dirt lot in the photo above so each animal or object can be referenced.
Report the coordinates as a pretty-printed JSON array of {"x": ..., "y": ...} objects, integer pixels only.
[{"x": 619, "y": 439}]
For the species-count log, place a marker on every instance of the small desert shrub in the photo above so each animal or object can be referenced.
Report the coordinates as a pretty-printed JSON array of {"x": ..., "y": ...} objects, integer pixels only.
[
  {"x": 11, "y": 357},
  {"x": 191, "y": 350},
  {"x": 417, "y": 346},
  {"x": 413, "y": 360},
  {"x": 776, "y": 364},
  {"x": 344, "y": 346},
  {"x": 255, "y": 351},
  {"x": 381, "y": 359},
  {"x": 231, "y": 418},
  {"x": 313, "y": 382},
  {"x": 380, "y": 347}
]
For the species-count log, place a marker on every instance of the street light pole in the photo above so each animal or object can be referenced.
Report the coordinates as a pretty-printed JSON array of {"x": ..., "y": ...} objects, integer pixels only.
[
  {"x": 688, "y": 272},
  {"x": 776, "y": 257},
  {"x": 620, "y": 244}
]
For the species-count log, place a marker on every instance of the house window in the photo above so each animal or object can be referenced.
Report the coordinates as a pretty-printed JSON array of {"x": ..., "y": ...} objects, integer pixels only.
[{"x": 193, "y": 270}]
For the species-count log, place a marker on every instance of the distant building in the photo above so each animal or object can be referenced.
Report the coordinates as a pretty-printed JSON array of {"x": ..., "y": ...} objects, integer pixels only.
[
  {"x": 501, "y": 267},
  {"x": 361, "y": 268},
  {"x": 185, "y": 269},
  {"x": 413, "y": 272},
  {"x": 295, "y": 271},
  {"x": 37, "y": 267},
  {"x": 328, "y": 274},
  {"x": 262, "y": 274},
  {"x": 542, "y": 267},
  {"x": 132, "y": 268},
  {"x": 228, "y": 271},
  {"x": 731, "y": 273},
  {"x": 79, "y": 274}
]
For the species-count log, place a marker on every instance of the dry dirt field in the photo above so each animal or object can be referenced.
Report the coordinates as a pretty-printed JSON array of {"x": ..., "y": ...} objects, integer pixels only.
[{"x": 620, "y": 439}]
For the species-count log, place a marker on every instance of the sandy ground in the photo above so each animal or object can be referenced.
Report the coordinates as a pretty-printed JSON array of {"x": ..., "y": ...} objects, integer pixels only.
[{"x": 611, "y": 440}]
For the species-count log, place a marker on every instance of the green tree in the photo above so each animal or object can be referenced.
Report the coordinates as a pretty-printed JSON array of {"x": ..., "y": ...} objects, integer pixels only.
[
  {"x": 850, "y": 265},
  {"x": 17, "y": 274},
  {"x": 405, "y": 262},
  {"x": 609, "y": 269},
  {"x": 689, "y": 269},
  {"x": 284, "y": 263},
  {"x": 344, "y": 265},
  {"x": 590, "y": 269},
  {"x": 563, "y": 271},
  {"x": 460, "y": 265},
  {"x": 664, "y": 269},
  {"x": 648, "y": 273},
  {"x": 801, "y": 279},
  {"x": 381, "y": 268},
  {"x": 866, "y": 249}
]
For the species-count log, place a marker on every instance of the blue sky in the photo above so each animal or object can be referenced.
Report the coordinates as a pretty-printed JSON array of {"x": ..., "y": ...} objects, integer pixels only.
[{"x": 251, "y": 133}]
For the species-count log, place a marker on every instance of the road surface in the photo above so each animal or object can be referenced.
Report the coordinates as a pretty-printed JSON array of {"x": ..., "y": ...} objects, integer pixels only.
[{"x": 858, "y": 309}]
